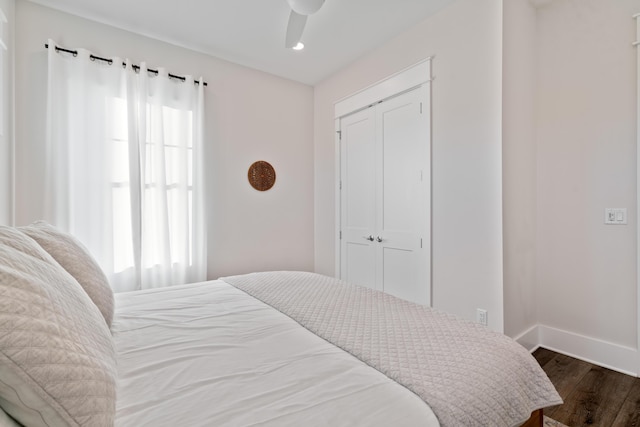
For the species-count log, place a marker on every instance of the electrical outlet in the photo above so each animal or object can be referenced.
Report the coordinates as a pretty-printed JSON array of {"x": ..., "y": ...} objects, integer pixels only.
[{"x": 482, "y": 317}]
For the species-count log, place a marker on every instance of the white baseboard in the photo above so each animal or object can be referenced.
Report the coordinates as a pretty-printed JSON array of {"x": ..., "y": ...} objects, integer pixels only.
[
  {"x": 602, "y": 353},
  {"x": 529, "y": 339}
]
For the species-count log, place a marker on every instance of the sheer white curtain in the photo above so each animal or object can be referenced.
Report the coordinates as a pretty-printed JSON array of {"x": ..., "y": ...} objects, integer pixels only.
[{"x": 124, "y": 152}]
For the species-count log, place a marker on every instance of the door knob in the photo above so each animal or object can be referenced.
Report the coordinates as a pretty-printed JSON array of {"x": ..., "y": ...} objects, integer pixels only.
[
  {"x": 379, "y": 239},
  {"x": 370, "y": 238}
]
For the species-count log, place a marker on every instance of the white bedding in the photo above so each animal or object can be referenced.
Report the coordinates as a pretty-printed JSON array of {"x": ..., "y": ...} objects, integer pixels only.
[
  {"x": 208, "y": 354},
  {"x": 468, "y": 374}
]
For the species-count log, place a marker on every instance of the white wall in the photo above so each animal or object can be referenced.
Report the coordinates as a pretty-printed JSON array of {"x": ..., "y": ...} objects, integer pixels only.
[
  {"x": 250, "y": 116},
  {"x": 466, "y": 39},
  {"x": 533, "y": 121},
  {"x": 6, "y": 115},
  {"x": 519, "y": 167},
  {"x": 586, "y": 161}
]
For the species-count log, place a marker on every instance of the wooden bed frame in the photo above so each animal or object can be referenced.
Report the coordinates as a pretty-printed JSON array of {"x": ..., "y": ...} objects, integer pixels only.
[{"x": 536, "y": 419}]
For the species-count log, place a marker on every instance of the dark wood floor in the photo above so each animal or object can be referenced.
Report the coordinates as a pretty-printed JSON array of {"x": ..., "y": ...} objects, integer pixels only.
[{"x": 593, "y": 396}]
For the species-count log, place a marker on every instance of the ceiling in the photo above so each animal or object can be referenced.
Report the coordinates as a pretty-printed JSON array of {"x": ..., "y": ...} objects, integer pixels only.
[{"x": 252, "y": 32}]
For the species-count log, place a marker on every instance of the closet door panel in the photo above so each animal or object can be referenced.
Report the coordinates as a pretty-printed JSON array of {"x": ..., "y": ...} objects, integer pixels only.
[
  {"x": 360, "y": 270},
  {"x": 358, "y": 198},
  {"x": 402, "y": 138},
  {"x": 398, "y": 272},
  {"x": 400, "y": 178}
]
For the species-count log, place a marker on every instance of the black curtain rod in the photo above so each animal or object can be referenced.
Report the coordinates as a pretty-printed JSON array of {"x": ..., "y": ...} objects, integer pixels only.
[{"x": 110, "y": 61}]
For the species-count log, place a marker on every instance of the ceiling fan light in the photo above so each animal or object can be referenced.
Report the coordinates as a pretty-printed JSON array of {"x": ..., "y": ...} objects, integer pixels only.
[
  {"x": 299, "y": 46},
  {"x": 305, "y": 7}
]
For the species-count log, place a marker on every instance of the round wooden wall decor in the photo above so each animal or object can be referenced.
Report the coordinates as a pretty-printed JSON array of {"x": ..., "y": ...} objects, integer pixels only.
[{"x": 261, "y": 175}]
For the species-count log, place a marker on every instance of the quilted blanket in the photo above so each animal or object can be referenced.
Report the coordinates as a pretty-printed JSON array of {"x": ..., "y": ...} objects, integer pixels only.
[{"x": 467, "y": 374}]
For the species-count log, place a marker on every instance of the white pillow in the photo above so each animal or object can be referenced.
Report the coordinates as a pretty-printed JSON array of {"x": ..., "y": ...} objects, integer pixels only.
[
  {"x": 74, "y": 257},
  {"x": 57, "y": 359}
]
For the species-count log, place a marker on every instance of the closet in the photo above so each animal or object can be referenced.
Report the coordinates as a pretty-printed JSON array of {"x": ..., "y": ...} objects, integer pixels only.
[{"x": 384, "y": 193}]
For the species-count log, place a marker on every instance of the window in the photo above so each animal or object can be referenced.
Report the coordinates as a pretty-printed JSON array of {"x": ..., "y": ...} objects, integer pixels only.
[
  {"x": 125, "y": 173},
  {"x": 168, "y": 181}
]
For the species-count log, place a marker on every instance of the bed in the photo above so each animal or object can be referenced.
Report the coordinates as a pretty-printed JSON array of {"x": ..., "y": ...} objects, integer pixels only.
[{"x": 267, "y": 349}]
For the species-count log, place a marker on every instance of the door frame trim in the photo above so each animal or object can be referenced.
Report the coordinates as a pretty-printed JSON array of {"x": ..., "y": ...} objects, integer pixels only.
[{"x": 395, "y": 84}]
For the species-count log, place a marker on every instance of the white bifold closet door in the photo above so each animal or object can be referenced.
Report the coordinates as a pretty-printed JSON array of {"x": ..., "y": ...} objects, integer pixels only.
[{"x": 384, "y": 157}]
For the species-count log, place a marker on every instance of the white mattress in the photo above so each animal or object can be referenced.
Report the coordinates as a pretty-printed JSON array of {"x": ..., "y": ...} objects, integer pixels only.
[{"x": 208, "y": 354}]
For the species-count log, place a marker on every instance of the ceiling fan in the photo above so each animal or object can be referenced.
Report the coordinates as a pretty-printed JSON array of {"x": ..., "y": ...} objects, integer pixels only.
[{"x": 300, "y": 10}]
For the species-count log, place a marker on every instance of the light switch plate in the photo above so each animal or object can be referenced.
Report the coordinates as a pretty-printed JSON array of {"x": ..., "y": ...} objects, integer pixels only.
[{"x": 615, "y": 216}]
